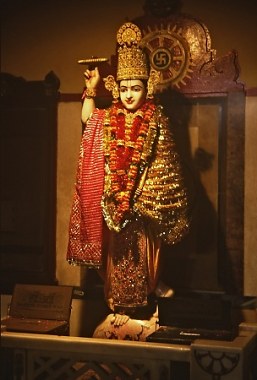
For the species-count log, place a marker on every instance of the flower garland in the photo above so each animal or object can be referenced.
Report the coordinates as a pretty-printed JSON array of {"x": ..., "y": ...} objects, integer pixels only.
[{"x": 128, "y": 132}]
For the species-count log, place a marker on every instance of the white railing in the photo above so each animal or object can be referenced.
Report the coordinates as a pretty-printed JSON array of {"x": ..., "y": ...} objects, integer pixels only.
[
  {"x": 49, "y": 357},
  {"x": 60, "y": 357}
]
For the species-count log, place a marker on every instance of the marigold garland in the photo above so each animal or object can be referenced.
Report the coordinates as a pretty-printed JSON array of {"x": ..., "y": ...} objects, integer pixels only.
[{"x": 128, "y": 132}]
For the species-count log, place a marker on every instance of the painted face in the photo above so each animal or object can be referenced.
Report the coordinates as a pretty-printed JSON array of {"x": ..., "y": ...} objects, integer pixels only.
[{"x": 132, "y": 93}]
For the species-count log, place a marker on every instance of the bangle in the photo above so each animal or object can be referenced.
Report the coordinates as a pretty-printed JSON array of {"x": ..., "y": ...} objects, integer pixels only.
[{"x": 89, "y": 93}]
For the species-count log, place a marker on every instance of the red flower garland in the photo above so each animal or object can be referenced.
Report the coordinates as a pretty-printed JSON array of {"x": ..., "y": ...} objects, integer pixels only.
[{"x": 126, "y": 145}]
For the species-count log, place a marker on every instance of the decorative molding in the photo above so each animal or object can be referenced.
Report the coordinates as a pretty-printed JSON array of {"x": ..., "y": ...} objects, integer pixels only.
[{"x": 217, "y": 363}]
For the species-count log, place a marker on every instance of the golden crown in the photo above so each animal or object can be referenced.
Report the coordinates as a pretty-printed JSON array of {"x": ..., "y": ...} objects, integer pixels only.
[{"x": 132, "y": 61}]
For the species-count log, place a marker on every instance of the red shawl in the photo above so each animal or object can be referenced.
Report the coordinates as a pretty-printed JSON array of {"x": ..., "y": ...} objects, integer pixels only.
[{"x": 86, "y": 221}]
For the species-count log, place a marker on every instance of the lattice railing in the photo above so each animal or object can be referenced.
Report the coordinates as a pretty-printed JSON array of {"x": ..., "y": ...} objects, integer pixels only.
[
  {"x": 46, "y": 357},
  {"x": 57, "y": 366}
]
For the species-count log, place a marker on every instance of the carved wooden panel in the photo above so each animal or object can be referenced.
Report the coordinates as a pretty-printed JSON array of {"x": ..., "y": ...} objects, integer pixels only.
[{"x": 28, "y": 180}]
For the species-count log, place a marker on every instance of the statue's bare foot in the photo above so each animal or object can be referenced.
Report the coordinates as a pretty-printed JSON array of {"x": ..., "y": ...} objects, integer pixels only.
[{"x": 119, "y": 319}]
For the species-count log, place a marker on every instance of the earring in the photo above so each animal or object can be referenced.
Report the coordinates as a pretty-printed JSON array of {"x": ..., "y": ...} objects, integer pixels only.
[
  {"x": 111, "y": 85},
  {"x": 154, "y": 79}
]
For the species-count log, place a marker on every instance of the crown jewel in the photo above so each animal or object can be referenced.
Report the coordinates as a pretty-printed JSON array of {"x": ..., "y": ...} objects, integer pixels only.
[{"x": 132, "y": 62}]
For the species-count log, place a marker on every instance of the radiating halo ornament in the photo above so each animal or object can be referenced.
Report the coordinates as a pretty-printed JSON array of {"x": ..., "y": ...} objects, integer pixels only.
[{"x": 169, "y": 53}]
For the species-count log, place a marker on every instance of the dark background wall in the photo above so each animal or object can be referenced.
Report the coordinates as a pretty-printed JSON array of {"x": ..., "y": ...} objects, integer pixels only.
[{"x": 43, "y": 35}]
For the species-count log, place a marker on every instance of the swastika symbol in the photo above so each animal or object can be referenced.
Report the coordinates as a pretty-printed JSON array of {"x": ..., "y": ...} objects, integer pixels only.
[{"x": 161, "y": 59}]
